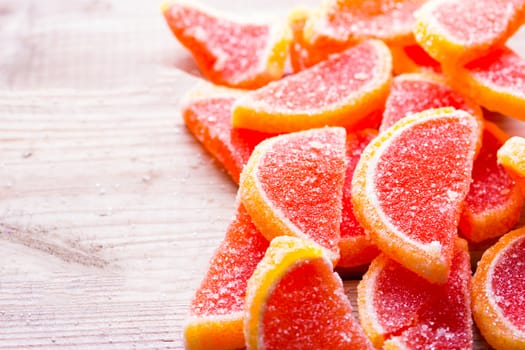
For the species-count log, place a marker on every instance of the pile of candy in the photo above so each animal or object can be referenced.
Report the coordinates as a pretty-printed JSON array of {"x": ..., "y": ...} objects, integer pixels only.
[{"x": 341, "y": 164}]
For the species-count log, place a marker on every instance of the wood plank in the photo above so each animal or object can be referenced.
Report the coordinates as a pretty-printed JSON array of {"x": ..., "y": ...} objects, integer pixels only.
[{"x": 109, "y": 209}]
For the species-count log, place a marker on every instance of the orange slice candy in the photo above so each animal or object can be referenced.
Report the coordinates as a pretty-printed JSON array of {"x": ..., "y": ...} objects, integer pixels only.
[
  {"x": 494, "y": 202},
  {"x": 416, "y": 92},
  {"x": 498, "y": 292},
  {"x": 295, "y": 301},
  {"x": 409, "y": 186},
  {"x": 512, "y": 157},
  {"x": 454, "y": 31},
  {"x": 229, "y": 52},
  {"x": 206, "y": 110},
  {"x": 355, "y": 247},
  {"x": 293, "y": 185},
  {"x": 217, "y": 309},
  {"x": 398, "y": 309},
  {"x": 340, "y": 22},
  {"x": 341, "y": 91},
  {"x": 413, "y": 59},
  {"x": 495, "y": 81}
]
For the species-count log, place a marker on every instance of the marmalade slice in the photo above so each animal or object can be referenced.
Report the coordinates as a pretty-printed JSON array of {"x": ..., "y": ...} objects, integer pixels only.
[
  {"x": 455, "y": 32},
  {"x": 229, "y": 51},
  {"x": 206, "y": 111},
  {"x": 498, "y": 292},
  {"x": 408, "y": 190},
  {"x": 494, "y": 201},
  {"x": 295, "y": 301},
  {"x": 293, "y": 185},
  {"x": 217, "y": 308},
  {"x": 340, "y": 91},
  {"x": 416, "y": 92},
  {"x": 401, "y": 310}
]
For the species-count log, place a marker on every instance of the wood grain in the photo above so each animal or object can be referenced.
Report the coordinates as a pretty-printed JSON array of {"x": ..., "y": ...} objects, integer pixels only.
[{"x": 109, "y": 209}]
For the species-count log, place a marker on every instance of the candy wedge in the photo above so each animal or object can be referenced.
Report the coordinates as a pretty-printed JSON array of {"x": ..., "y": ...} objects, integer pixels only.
[
  {"x": 340, "y": 22},
  {"x": 408, "y": 190},
  {"x": 229, "y": 51},
  {"x": 293, "y": 185},
  {"x": 497, "y": 292},
  {"x": 295, "y": 301},
  {"x": 206, "y": 111},
  {"x": 512, "y": 157},
  {"x": 217, "y": 309},
  {"x": 495, "y": 81},
  {"x": 341, "y": 91},
  {"x": 455, "y": 32},
  {"x": 400, "y": 310},
  {"x": 416, "y": 92}
]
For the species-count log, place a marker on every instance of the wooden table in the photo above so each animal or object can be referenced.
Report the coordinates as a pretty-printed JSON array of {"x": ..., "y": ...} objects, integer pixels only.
[{"x": 109, "y": 209}]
